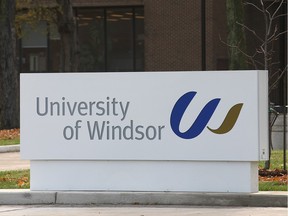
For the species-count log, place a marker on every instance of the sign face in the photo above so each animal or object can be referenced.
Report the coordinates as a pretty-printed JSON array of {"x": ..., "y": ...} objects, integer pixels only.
[{"x": 194, "y": 116}]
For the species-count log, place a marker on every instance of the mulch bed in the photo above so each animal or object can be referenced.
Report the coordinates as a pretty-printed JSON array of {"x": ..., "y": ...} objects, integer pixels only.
[
  {"x": 10, "y": 134},
  {"x": 273, "y": 176},
  {"x": 272, "y": 173}
]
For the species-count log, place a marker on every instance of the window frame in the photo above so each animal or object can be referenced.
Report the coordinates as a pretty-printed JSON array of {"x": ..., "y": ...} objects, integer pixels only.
[{"x": 105, "y": 9}]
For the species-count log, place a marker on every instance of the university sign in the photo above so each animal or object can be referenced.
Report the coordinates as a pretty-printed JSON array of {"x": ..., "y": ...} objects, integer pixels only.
[
  {"x": 147, "y": 126},
  {"x": 98, "y": 130},
  {"x": 119, "y": 109}
]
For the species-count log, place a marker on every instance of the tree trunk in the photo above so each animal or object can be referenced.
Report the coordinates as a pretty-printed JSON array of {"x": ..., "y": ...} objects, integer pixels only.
[
  {"x": 9, "y": 77},
  {"x": 236, "y": 37},
  {"x": 68, "y": 31}
]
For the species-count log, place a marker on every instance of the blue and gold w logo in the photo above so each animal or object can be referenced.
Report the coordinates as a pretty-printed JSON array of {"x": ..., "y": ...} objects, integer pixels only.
[{"x": 203, "y": 118}]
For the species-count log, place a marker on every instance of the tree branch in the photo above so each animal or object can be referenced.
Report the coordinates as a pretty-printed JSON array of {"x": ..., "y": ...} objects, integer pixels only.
[
  {"x": 277, "y": 36},
  {"x": 271, "y": 5},
  {"x": 250, "y": 30},
  {"x": 278, "y": 8},
  {"x": 255, "y": 6},
  {"x": 272, "y": 86},
  {"x": 272, "y": 36},
  {"x": 251, "y": 58},
  {"x": 281, "y": 15}
]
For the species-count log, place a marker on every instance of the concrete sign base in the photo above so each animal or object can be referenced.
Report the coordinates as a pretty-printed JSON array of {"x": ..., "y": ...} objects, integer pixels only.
[{"x": 145, "y": 176}]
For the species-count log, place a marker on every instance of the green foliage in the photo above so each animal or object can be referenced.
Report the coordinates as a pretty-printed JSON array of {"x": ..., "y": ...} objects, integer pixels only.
[
  {"x": 32, "y": 11},
  {"x": 19, "y": 179}
]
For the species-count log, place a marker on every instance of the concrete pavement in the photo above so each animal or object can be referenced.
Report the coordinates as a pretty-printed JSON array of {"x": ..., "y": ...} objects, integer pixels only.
[
  {"x": 138, "y": 211},
  {"x": 12, "y": 161},
  {"x": 27, "y": 197},
  {"x": 10, "y": 158},
  {"x": 10, "y": 148}
]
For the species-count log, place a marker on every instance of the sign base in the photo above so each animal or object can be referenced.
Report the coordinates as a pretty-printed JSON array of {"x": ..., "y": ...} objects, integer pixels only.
[{"x": 184, "y": 176}]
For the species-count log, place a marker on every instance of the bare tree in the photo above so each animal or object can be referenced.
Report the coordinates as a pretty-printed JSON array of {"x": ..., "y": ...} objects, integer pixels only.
[
  {"x": 266, "y": 50},
  {"x": 263, "y": 56},
  {"x": 9, "y": 77}
]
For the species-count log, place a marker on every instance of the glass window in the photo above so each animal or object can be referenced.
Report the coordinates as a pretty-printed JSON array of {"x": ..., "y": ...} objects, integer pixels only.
[
  {"x": 54, "y": 53},
  {"x": 34, "y": 48},
  {"x": 91, "y": 39},
  {"x": 111, "y": 39},
  {"x": 120, "y": 40},
  {"x": 139, "y": 39},
  {"x": 34, "y": 36}
]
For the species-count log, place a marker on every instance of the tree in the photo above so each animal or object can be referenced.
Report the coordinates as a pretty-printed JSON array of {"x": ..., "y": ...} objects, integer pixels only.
[
  {"x": 262, "y": 58},
  {"x": 66, "y": 23},
  {"x": 59, "y": 13},
  {"x": 236, "y": 36},
  {"x": 9, "y": 77},
  {"x": 264, "y": 55}
]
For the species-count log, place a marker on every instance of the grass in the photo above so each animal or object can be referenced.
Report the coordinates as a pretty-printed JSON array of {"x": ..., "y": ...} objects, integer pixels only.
[
  {"x": 19, "y": 179},
  {"x": 9, "y": 137},
  {"x": 5, "y": 142},
  {"x": 276, "y": 161},
  {"x": 272, "y": 186}
]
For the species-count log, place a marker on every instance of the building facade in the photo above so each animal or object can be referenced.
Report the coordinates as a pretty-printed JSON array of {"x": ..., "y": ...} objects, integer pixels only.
[{"x": 143, "y": 35}]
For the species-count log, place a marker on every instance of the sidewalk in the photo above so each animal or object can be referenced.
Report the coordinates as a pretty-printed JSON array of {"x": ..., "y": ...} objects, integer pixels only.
[
  {"x": 138, "y": 211},
  {"x": 10, "y": 148},
  {"x": 10, "y": 160},
  {"x": 27, "y": 197}
]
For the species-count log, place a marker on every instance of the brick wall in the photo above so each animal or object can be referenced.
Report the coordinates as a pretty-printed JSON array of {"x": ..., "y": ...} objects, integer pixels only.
[
  {"x": 172, "y": 35},
  {"x": 216, "y": 30}
]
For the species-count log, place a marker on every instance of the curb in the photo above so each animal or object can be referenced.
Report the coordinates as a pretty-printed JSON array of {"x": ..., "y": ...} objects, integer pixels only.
[
  {"x": 10, "y": 148},
  {"x": 27, "y": 197}
]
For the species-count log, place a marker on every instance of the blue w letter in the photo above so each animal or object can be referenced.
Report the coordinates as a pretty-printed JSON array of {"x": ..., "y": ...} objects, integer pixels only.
[{"x": 200, "y": 122}]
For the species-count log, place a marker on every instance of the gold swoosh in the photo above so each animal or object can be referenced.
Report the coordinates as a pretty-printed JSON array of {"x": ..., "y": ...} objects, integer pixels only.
[{"x": 229, "y": 120}]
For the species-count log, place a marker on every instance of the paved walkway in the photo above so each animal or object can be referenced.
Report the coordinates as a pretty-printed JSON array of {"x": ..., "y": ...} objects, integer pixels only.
[
  {"x": 12, "y": 161},
  {"x": 138, "y": 211}
]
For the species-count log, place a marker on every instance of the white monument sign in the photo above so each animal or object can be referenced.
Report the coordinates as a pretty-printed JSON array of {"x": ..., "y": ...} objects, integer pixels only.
[{"x": 148, "y": 131}]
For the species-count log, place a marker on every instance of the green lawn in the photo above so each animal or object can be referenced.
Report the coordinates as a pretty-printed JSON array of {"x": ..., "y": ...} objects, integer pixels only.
[
  {"x": 5, "y": 142},
  {"x": 277, "y": 161},
  {"x": 272, "y": 186},
  {"x": 15, "y": 179}
]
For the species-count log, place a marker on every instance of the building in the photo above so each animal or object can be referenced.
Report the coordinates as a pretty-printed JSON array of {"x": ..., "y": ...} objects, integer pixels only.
[{"x": 145, "y": 35}]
